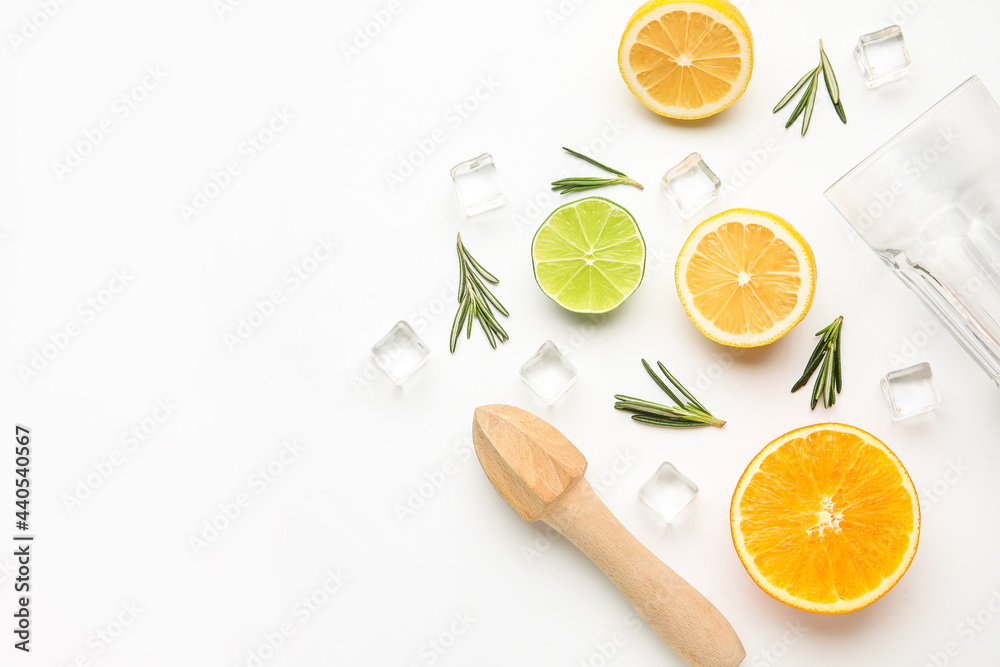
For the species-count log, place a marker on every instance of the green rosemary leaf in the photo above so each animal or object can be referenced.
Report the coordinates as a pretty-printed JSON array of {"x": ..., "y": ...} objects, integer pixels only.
[
  {"x": 479, "y": 267},
  {"x": 593, "y": 162},
  {"x": 811, "y": 104},
  {"x": 581, "y": 182},
  {"x": 568, "y": 185},
  {"x": 473, "y": 313},
  {"x": 791, "y": 93},
  {"x": 661, "y": 383},
  {"x": 461, "y": 263},
  {"x": 645, "y": 407},
  {"x": 681, "y": 388},
  {"x": 810, "y": 369},
  {"x": 801, "y": 381},
  {"x": 829, "y": 387},
  {"x": 817, "y": 388},
  {"x": 487, "y": 317},
  {"x": 456, "y": 327},
  {"x": 632, "y": 403},
  {"x": 836, "y": 356},
  {"x": 487, "y": 296},
  {"x": 828, "y": 76},
  {"x": 839, "y": 106},
  {"x": 488, "y": 331},
  {"x": 572, "y": 181},
  {"x": 669, "y": 423},
  {"x": 495, "y": 303},
  {"x": 800, "y": 107},
  {"x": 811, "y": 366}
]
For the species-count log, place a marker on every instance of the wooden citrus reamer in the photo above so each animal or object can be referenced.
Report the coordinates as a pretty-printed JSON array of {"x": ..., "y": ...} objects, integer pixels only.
[{"x": 540, "y": 473}]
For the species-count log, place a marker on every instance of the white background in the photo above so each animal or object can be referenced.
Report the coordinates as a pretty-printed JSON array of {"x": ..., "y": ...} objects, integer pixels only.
[{"x": 366, "y": 444}]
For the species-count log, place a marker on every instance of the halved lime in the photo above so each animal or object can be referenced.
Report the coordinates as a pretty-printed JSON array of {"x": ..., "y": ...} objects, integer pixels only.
[{"x": 589, "y": 255}]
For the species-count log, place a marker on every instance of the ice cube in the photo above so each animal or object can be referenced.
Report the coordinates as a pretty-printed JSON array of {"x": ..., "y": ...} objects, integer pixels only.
[
  {"x": 882, "y": 56},
  {"x": 668, "y": 492},
  {"x": 400, "y": 352},
  {"x": 910, "y": 391},
  {"x": 690, "y": 185},
  {"x": 549, "y": 373},
  {"x": 477, "y": 185}
]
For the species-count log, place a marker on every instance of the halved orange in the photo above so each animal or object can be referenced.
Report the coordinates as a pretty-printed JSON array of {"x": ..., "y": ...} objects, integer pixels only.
[
  {"x": 745, "y": 277},
  {"x": 686, "y": 58},
  {"x": 826, "y": 519}
]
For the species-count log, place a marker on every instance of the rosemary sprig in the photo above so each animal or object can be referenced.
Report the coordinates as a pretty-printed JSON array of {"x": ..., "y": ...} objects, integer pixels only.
[
  {"x": 682, "y": 415},
  {"x": 578, "y": 183},
  {"x": 831, "y": 79},
  {"x": 808, "y": 100},
  {"x": 476, "y": 301},
  {"x": 831, "y": 83},
  {"x": 826, "y": 358}
]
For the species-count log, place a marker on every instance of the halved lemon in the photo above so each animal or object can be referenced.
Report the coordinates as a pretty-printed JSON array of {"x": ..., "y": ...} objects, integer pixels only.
[
  {"x": 826, "y": 519},
  {"x": 745, "y": 277},
  {"x": 686, "y": 58}
]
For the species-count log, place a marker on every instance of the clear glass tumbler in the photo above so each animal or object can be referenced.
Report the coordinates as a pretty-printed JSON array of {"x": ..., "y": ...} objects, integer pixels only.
[{"x": 928, "y": 204}]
